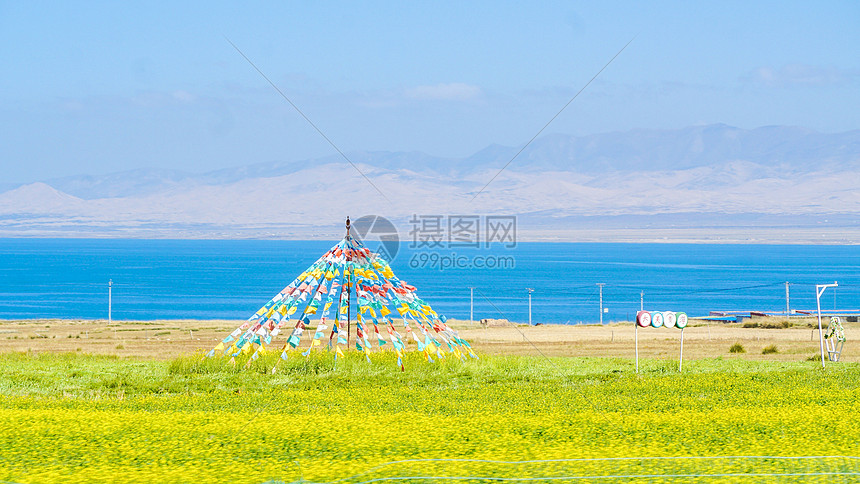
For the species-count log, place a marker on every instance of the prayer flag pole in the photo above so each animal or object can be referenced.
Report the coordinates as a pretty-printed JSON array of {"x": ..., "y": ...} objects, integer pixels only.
[{"x": 348, "y": 285}]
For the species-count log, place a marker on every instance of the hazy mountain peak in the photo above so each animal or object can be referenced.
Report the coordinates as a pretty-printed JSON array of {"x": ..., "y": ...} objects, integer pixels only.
[
  {"x": 36, "y": 197},
  {"x": 789, "y": 148},
  {"x": 716, "y": 169}
]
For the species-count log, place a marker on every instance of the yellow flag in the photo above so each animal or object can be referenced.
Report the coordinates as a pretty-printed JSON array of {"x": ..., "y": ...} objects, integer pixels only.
[
  {"x": 219, "y": 346},
  {"x": 316, "y": 342},
  {"x": 292, "y": 309},
  {"x": 384, "y": 311},
  {"x": 327, "y": 305},
  {"x": 338, "y": 351}
]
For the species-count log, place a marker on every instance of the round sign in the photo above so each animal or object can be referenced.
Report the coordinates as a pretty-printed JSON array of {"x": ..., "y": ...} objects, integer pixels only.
[
  {"x": 669, "y": 319},
  {"x": 657, "y": 320},
  {"x": 681, "y": 320},
  {"x": 643, "y": 318}
]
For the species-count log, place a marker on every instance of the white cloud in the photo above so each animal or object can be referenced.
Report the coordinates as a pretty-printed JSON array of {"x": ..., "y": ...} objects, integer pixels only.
[
  {"x": 184, "y": 96},
  {"x": 800, "y": 75},
  {"x": 455, "y": 91}
]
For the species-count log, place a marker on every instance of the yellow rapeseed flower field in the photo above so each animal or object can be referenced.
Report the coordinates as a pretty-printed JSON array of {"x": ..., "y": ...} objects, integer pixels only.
[{"x": 131, "y": 421}]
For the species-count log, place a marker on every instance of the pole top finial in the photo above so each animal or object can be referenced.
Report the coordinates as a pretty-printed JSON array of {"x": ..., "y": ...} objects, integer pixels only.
[{"x": 347, "y": 225}]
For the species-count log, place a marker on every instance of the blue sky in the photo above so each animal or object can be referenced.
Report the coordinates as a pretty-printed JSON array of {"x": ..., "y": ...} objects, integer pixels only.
[{"x": 94, "y": 88}]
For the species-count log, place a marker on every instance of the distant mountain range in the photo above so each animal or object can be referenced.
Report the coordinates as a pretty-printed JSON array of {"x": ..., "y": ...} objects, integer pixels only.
[{"x": 698, "y": 183}]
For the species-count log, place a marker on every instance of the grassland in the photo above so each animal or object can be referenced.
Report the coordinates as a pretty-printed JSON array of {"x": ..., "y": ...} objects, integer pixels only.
[
  {"x": 71, "y": 416},
  {"x": 174, "y": 338}
]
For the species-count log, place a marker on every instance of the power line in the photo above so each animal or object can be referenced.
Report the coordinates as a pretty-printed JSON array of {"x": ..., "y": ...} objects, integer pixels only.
[{"x": 504, "y": 316}]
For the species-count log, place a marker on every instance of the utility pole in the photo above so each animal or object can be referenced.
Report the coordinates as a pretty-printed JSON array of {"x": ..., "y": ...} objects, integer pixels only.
[
  {"x": 641, "y": 300},
  {"x": 787, "y": 310},
  {"x": 600, "y": 285},
  {"x": 530, "y": 290},
  {"x": 471, "y": 304},
  {"x": 110, "y": 300}
]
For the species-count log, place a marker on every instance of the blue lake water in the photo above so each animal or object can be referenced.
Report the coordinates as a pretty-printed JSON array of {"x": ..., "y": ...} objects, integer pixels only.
[{"x": 206, "y": 279}]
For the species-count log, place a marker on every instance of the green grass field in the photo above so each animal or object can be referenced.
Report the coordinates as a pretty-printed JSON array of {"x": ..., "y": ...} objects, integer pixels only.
[{"x": 80, "y": 418}]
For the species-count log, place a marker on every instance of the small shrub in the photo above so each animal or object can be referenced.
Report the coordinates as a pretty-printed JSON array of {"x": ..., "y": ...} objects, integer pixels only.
[
  {"x": 737, "y": 348},
  {"x": 769, "y": 350},
  {"x": 120, "y": 347},
  {"x": 750, "y": 324}
]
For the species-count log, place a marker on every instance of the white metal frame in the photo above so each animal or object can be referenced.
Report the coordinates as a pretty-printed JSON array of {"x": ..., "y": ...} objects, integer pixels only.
[{"x": 819, "y": 290}]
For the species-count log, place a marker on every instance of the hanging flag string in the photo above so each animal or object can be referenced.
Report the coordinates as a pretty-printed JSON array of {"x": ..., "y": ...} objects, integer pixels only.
[{"x": 308, "y": 120}]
